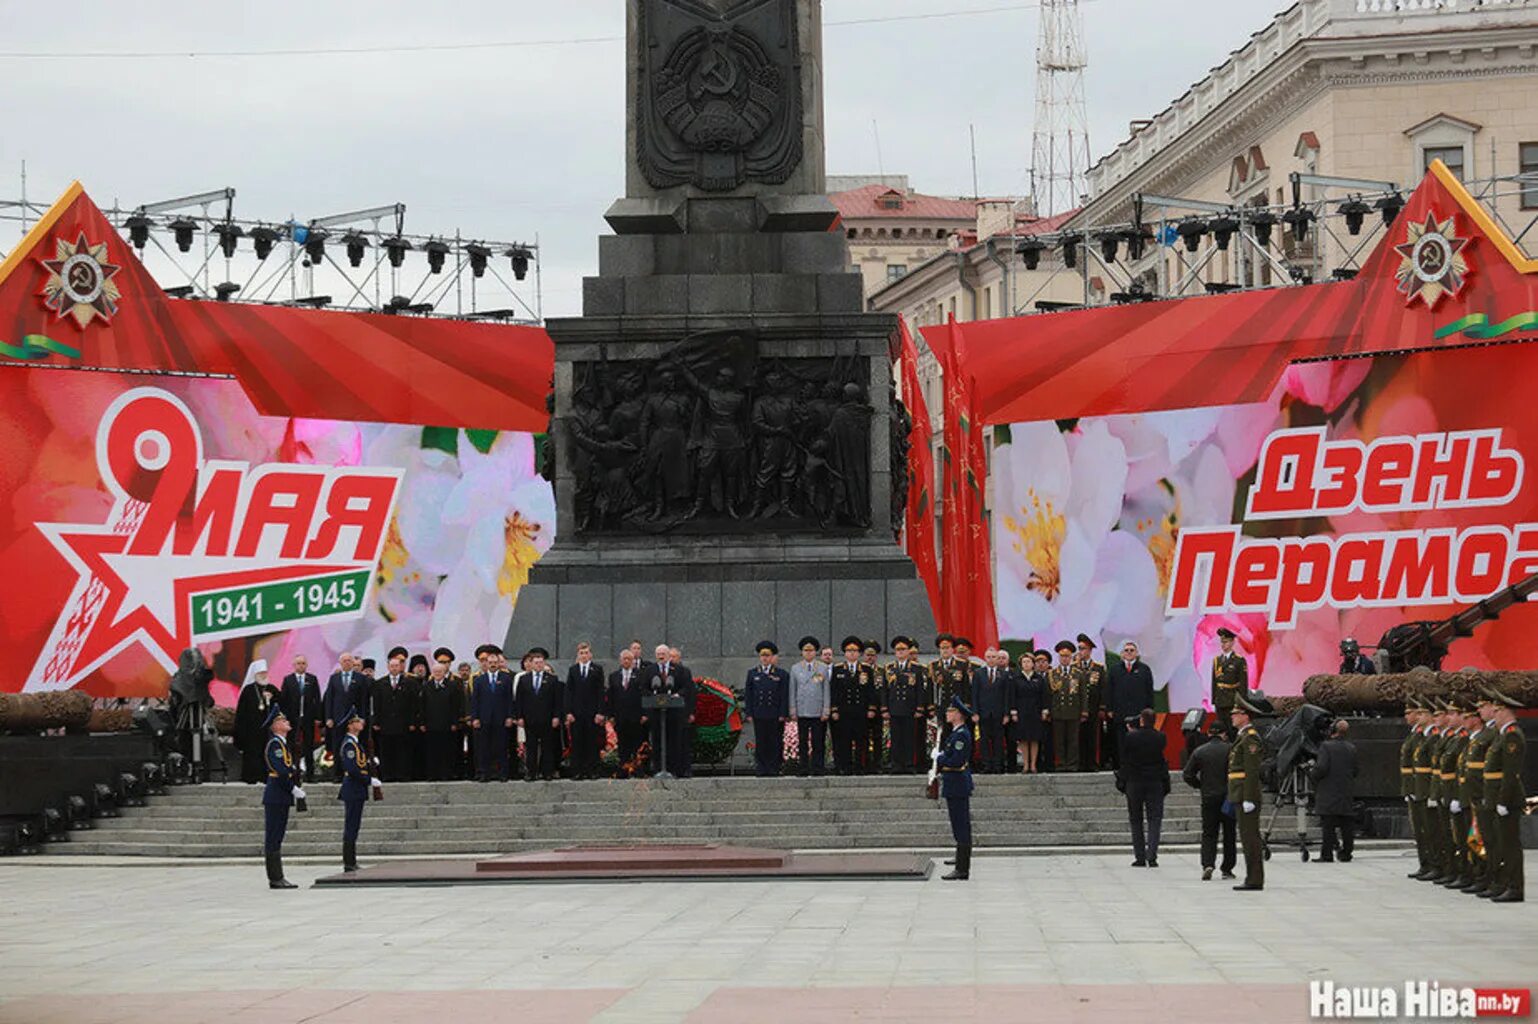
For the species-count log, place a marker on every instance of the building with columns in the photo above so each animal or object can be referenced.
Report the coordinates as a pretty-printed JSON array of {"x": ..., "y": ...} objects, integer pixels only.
[{"x": 891, "y": 228}]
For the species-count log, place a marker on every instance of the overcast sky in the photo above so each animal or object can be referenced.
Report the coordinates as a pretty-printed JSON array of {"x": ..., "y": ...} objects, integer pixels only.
[{"x": 512, "y": 141}]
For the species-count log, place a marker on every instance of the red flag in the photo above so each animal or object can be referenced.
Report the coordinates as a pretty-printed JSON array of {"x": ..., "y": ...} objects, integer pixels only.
[
  {"x": 919, "y": 521},
  {"x": 966, "y": 593}
]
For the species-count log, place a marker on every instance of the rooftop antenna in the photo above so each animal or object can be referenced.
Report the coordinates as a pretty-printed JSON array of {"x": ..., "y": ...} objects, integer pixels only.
[
  {"x": 975, "y": 193},
  {"x": 875, "y": 130},
  {"x": 1060, "y": 139}
]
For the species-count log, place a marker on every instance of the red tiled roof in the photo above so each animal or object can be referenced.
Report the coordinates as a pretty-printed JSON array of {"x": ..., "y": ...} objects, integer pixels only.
[
  {"x": 862, "y": 203},
  {"x": 1045, "y": 225}
]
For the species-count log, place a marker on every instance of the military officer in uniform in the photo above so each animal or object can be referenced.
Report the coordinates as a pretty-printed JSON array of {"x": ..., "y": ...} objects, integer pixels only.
[
  {"x": 954, "y": 761},
  {"x": 1409, "y": 787},
  {"x": 1428, "y": 785},
  {"x": 905, "y": 700},
  {"x": 768, "y": 700},
  {"x": 278, "y": 795},
  {"x": 1092, "y": 692},
  {"x": 875, "y": 738},
  {"x": 1244, "y": 783},
  {"x": 1453, "y": 746},
  {"x": 949, "y": 674},
  {"x": 356, "y": 781},
  {"x": 1504, "y": 799},
  {"x": 1066, "y": 698},
  {"x": 851, "y": 701},
  {"x": 1230, "y": 676},
  {"x": 1470, "y": 791}
]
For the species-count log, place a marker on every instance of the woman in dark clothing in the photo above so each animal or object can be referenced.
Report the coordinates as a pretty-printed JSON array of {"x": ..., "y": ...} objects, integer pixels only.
[
  {"x": 1026, "y": 705},
  {"x": 256, "y": 696}
]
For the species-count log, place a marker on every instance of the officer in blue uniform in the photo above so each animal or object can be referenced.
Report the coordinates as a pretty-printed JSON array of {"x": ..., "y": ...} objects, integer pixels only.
[
  {"x": 281, "y": 791},
  {"x": 355, "y": 786},
  {"x": 768, "y": 701},
  {"x": 955, "y": 763}
]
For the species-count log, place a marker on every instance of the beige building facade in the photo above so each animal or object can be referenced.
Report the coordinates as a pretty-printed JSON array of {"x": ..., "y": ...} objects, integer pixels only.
[{"x": 893, "y": 229}]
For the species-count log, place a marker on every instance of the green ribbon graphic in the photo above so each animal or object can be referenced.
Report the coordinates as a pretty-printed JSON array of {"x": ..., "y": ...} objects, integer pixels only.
[
  {"x": 1479, "y": 327},
  {"x": 36, "y": 346}
]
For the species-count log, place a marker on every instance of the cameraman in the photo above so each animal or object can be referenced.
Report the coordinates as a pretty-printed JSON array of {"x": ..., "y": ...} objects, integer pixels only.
[
  {"x": 1334, "y": 775},
  {"x": 1352, "y": 661}
]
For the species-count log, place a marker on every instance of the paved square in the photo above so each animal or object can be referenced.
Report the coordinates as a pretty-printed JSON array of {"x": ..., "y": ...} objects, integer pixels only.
[{"x": 1039, "y": 938}]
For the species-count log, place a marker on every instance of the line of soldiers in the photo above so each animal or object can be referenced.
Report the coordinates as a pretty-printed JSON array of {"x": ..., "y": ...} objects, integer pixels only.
[{"x": 1460, "y": 772}]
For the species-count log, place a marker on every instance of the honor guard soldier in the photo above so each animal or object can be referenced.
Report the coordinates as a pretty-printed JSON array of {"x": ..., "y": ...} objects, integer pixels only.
[
  {"x": 1409, "y": 752},
  {"x": 1092, "y": 690},
  {"x": 1244, "y": 783},
  {"x": 1456, "y": 743},
  {"x": 851, "y": 693},
  {"x": 356, "y": 783},
  {"x": 1505, "y": 796},
  {"x": 950, "y": 675},
  {"x": 1471, "y": 784},
  {"x": 905, "y": 699},
  {"x": 953, "y": 758},
  {"x": 278, "y": 796},
  {"x": 1066, "y": 698},
  {"x": 1428, "y": 783},
  {"x": 768, "y": 701},
  {"x": 1230, "y": 676},
  {"x": 875, "y": 737}
]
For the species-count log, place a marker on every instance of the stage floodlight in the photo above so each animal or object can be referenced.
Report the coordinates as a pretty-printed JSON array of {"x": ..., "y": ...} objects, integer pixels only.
[
  {"x": 225, "y": 289},
  {"x": 55, "y": 826},
  {"x": 103, "y": 801},
  {"x": 1389, "y": 206},
  {"x": 1263, "y": 222},
  {"x": 154, "y": 777},
  {"x": 519, "y": 255},
  {"x": 1345, "y": 273},
  {"x": 181, "y": 230},
  {"x": 1222, "y": 227},
  {"x": 138, "y": 227},
  {"x": 262, "y": 240},
  {"x": 1030, "y": 250},
  {"x": 437, "y": 252},
  {"x": 1191, "y": 232},
  {"x": 1137, "y": 238},
  {"x": 130, "y": 790},
  {"x": 229, "y": 235},
  {"x": 421, "y": 308},
  {"x": 1109, "y": 241},
  {"x": 314, "y": 301},
  {"x": 356, "y": 243},
  {"x": 78, "y": 812},
  {"x": 395, "y": 249},
  {"x": 397, "y": 304},
  {"x": 180, "y": 291},
  {"x": 315, "y": 246},
  {"x": 1070, "y": 251},
  {"x": 1355, "y": 211},
  {"x": 1298, "y": 219},
  {"x": 479, "y": 255}
]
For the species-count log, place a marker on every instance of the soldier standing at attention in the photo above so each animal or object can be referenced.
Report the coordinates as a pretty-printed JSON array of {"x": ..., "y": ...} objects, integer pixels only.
[
  {"x": 810, "y": 705},
  {"x": 1504, "y": 799},
  {"x": 1230, "y": 676},
  {"x": 1409, "y": 751},
  {"x": 768, "y": 703},
  {"x": 1244, "y": 784},
  {"x": 1092, "y": 691},
  {"x": 1447, "y": 778},
  {"x": 1067, "y": 700},
  {"x": 849, "y": 699},
  {"x": 355, "y": 786},
  {"x": 1427, "y": 784},
  {"x": 875, "y": 749},
  {"x": 1471, "y": 784},
  {"x": 954, "y": 762},
  {"x": 949, "y": 675},
  {"x": 278, "y": 795},
  {"x": 905, "y": 699}
]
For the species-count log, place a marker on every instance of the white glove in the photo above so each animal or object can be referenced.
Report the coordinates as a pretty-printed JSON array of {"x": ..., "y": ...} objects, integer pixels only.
[
  {"x": 1456, "y": 807},
  {"x": 1431, "y": 802},
  {"x": 934, "y": 755},
  {"x": 1249, "y": 808},
  {"x": 374, "y": 782},
  {"x": 1409, "y": 799},
  {"x": 1501, "y": 810},
  {"x": 299, "y": 793}
]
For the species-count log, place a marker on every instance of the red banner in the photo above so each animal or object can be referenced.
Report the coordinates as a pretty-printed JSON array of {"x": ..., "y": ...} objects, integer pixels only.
[{"x": 919, "y": 522}]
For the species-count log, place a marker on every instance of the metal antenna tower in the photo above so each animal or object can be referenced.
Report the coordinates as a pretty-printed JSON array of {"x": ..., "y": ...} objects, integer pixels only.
[{"x": 1060, "y": 141}]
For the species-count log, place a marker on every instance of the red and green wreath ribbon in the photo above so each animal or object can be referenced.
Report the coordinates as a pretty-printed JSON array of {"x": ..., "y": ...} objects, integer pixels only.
[{"x": 717, "y": 721}]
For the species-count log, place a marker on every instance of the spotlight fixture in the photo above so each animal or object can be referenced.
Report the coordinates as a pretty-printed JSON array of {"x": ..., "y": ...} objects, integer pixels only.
[
  {"x": 178, "y": 769},
  {"x": 421, "y": 308},
  {"x": 315, "y": 246},
  {"x": 1263, "y": 222},
  {"x": 1049, "y": 306},
  {"x": 520, "y": 256},
  {"x": 79, "y": 812},
  {"x": 1137, "y": 238},
  {"x": 181, "y": 230},
  {"x": 437, "y": 252},
  {"x": 1030, "y": 250},
  {"x": 1108, "y": 243},
  {"x": 138, "y": 226},
  {"x": 181, "y": 291},
  {"x": 130, "y": 790},
  {"x": 314, "y": 301},
  {"x": 1389, "y": 206},
  {"x": 55, "y": 826},
  {"x": 1354, "y": 210},
  {"x": 397, "y": 304},
  {"x": 479, "y": 255},
  {"x": 103, "y": 801},
  {"x": 1220, "y": 287},
  {"x": 229, "y": 234},
  {"x": 1070, "y": 251},
  {"x": 1222, "y": 227},
  {"x": 356, "y": 243},
  {"x": 395, "y": 249},
  {"x": 1191, "y": 232},
  {"x": 154, "y": 778},
  {"x": 1298, "y": 219},
  {"x": 1345, "y": 273},
  {"x": 262, "y": 240},
  {"x": 225, "y": 289}
]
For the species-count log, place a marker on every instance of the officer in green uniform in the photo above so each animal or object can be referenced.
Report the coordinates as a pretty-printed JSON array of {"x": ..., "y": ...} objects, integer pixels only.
[
  {"x": 1230, "y": 676},
  {"x": 871, "y": 758},
  {"x": 1092, "y": 688},
  {"x": 1504, "y": 800},
  {"x": 1428, "y": 768},
  {"x": 1415, "y": 717},
  {"x": 951, "y": 676},
  {"x": 1244, "y": 783},
  {"x": 1453, "y": 746},
  {"x": 905, "y": 698},
  {"x": 1471, "y": 785},
  {"x": 1066, "y": 698}
]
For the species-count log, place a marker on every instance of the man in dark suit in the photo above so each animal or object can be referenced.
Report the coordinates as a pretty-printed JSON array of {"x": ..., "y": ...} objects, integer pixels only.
[
  {"x": 992, "y": 693},
  {"x": 491, "y": 716},
  {"x": 625, "y": 711},
  {"x": 1145, "y": 777},
  {"x": 538, "y": 701},
  {"x": 342, "y": 690},
  {"x": 395, "y": 700},
  {"x": 585, "y": 701},
  {"x": 300, "y": 697},
  {"x": 1130, "y": 689},
  {"x": 1334, "y": 775},
  {"x": 1207, "y": 771},
  {"x": 668, "y": 676},
  {"x": 442, "y": 704}
]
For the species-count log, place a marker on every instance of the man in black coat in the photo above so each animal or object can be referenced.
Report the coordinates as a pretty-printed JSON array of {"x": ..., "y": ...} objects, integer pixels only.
[
  {"x": 585, "y": 700},
  {"x": 1130, "y": 689},
  {"x": 992, "y": 692},
  {"x": 668, "y": 676},
  {"x": 395, "y": 716},
  {"x": 343, "y": 691},
  {"x": 1334, "y": 775},
  {"x": 1207, "y": 771},
  {"x": 442, "y": 709},
  {"x": 538, "y": 701},
  {"x": 625, "y": 711},
  {"x": 302, "y": 706},
  {"x": 1145, "y": 777}
]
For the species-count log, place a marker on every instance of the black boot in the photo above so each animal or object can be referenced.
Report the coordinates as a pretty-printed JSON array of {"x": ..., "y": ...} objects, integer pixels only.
[
  {"x": 349, "y": 855},
  {"x": 963, "y": 869},
  {"x": 275, "y": 879}
]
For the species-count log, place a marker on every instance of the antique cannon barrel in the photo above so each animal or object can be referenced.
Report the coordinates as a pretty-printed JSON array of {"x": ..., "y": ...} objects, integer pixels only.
[
  {"x": 1386, "y": 694},
  {"x": 34, "y": 712}
]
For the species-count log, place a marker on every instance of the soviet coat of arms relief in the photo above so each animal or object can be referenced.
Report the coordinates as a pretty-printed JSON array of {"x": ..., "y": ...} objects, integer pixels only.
[{"x": 718, "y": 93}]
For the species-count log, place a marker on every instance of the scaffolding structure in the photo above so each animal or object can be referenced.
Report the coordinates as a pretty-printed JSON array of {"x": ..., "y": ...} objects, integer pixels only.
[
  {"x": 1060, "y": 138},
  {"x": 362, "y": 260}
]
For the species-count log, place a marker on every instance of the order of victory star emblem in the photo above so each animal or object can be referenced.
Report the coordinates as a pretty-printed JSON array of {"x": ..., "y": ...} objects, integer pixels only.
[
  {"x": 80, "y": 284},
  {"x": 1432, "y": 262}
]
